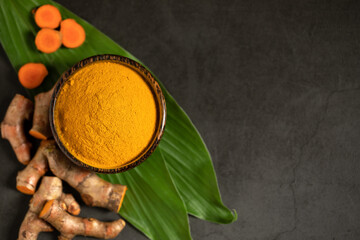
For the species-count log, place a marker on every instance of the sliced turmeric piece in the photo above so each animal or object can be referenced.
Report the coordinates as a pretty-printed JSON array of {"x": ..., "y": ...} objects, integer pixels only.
[
  {"x": 47, "y": 16},
  {"x": 48, "y": 40},
  {"x": 31, "y": 75},
  {"x": 73, "y": 34}
]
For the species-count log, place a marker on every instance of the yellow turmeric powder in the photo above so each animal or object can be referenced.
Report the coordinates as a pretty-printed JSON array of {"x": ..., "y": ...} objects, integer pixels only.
[{"x": 105, "y": 114}]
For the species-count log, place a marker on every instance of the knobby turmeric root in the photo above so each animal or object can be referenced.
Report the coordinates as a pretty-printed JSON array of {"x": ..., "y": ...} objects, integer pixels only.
[
  {"x": 41, "y": 126},
  {"x": 50, "y": 188},
  {"x": 32, "y": 226},
  {"x": 70, "y": 226},
  {"x": 94, "y": 191},
  {"x": 12, "y": 127},
  {"x": 27, "y": 179},
  {"x": 70, "y": 203}
]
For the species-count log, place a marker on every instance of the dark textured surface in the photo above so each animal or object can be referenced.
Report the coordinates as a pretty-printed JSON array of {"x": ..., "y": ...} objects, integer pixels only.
[{"x": 273, "y": 88}]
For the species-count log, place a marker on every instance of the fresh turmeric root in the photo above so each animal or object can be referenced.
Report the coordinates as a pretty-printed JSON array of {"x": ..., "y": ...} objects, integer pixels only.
[
  {"x": 12, "y": 127},
  {"x": 27, "y": 179},
  {"x": 70, "y": 203},
  {"x": 93, "y": 190},
  {"x": 70, "y": 226},
  {"x": 50, "y": 188},
  {"x": 41, "y": 126},
  {"x": 31, "y": 226}
]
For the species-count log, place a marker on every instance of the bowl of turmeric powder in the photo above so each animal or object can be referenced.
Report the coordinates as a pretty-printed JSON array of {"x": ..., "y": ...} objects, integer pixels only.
[{"x": 107, "y": 113}]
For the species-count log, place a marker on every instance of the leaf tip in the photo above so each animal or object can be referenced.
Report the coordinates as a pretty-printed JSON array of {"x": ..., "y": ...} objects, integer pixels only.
[{"x": 235, "y": 216}]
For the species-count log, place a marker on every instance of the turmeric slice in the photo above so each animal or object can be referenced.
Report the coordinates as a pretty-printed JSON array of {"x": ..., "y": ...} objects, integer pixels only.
[
  {"x": 31, "y": 75},
  {"x": 48, "y": 40},
  {"x": 73, "y": 34},
  {"x": 47, "y": 16}
]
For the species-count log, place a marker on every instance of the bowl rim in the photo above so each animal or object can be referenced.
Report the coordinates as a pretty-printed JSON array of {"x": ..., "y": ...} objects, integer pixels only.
[{"x": 151, "y": 82}]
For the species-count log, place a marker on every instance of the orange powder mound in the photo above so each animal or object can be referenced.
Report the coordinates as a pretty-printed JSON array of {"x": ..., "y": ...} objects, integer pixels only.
[{"x": 105, "y": 114}]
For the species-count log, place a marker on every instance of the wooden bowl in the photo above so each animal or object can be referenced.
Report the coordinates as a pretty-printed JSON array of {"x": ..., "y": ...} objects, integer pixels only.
[{"x": 159, "y": 100}]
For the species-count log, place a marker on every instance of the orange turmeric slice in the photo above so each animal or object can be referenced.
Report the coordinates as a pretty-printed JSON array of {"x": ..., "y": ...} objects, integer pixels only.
[
  {"x": 31, "y": 75},
  {"x": 48, "y": 40},
  {"x": 47, "y": 16},
  {"x": 73, "y": 34}
]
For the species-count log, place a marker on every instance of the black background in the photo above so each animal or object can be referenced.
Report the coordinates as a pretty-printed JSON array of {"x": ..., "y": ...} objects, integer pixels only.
[{"x": 272, "y": 86}]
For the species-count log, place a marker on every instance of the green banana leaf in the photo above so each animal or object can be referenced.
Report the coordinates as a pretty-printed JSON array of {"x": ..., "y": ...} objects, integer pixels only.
[
  {"x": 159, "y": 197},
  {"x": 177, "y": 178}
]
